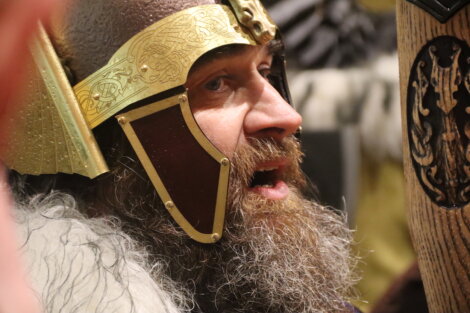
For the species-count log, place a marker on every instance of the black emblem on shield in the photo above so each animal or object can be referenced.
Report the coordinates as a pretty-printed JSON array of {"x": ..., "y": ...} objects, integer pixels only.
[
  {"x": 438, "y": 109},
  {"x": 442, "y": 10}
]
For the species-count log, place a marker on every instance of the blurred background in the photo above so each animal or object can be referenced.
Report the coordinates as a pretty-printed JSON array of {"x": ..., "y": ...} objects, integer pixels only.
[{"x": 343, "y": 75}]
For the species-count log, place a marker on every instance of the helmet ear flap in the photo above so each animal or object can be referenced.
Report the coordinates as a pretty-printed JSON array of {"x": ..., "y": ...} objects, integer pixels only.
[{"x": 49, "y": 133}]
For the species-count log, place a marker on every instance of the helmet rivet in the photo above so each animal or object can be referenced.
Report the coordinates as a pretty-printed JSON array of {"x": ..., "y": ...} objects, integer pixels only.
[
  {"x": 96, "y": 96},
  {"x": 215, "y": 237},
  {"x": 225, "y": 162},
  {"x": 183, "y": 98},
  {"x": 122, "y": 120},
  {"x": 236, "y": 27},
  {"x": 144, "y": 68},
  {"x": 169, "y": 205}
]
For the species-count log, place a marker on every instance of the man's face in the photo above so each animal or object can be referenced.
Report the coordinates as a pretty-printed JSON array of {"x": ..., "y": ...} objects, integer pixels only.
[
  {"x": 280, "y": 252},
  {"x": 232, "y": 100}
]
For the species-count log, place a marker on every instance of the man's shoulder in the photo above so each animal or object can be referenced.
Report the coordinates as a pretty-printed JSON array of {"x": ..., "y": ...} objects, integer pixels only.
[{"x": 82, "y": 265}]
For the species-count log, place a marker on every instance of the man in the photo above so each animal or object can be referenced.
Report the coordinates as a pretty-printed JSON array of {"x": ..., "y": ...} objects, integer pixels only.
[{"x": 199, "y": 91}]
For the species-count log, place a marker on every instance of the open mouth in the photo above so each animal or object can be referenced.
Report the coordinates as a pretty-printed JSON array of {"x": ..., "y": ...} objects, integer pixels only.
[
  {"x": 267, "y": 181},
  {"x": 266, "y": 177}
]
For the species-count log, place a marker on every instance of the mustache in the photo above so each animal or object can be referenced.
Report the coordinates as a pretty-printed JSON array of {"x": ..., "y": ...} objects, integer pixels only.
[{"x": 260, "y": 150}]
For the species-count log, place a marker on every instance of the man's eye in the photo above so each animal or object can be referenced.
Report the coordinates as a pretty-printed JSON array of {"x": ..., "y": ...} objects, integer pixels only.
[
  {"x": 265, "y": 72},
  {"x": 215, "y": 84}
]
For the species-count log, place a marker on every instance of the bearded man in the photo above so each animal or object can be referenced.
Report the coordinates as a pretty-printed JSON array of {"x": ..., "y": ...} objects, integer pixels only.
[{"x": 188, "y": 104}]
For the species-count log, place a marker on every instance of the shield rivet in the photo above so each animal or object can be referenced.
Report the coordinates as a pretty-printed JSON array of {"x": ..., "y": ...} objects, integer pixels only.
[
  {"x": 225, "y": 162},
  {"x": 215, "y": 237},
  {"x": 183, "y": 98},
  {"x": 169, "y": 205},
  {"x": 122, "y": 120}
]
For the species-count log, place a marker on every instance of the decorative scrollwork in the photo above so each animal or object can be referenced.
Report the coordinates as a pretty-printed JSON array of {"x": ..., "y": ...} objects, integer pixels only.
[
  {"x": 466, "y": 191},
  {"x": 438, "y": 125},
  {"x": 157, "y": 59}
]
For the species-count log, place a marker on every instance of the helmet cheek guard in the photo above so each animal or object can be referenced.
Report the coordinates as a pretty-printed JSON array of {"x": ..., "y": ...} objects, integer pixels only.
[
  {"x": 188, "y": 172},
  {"x": 148, "y": 74}
]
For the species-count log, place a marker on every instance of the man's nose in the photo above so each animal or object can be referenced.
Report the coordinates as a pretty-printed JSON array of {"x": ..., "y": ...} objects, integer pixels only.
[{"x": 270, "y": 115}]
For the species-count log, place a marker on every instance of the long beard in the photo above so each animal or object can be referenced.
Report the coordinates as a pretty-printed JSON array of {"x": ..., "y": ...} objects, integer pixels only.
[{"x": 288, "y": 255}]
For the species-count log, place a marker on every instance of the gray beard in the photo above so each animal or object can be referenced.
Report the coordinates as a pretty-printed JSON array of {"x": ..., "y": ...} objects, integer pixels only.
[
  {"x": 286, "y": 256},
  {"x": 289, "y": 257}
]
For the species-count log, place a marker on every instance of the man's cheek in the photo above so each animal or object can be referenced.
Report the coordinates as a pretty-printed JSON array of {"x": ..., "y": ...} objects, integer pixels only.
[{"x": 215, "y": 130}]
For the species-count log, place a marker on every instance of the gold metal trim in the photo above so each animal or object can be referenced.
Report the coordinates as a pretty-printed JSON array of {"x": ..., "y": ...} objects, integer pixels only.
[
  {"x": 181, "y": 100},
  {"x": 157, "y": 59},
  {"x": 65, "y": 144},
  {"x": 253, "y": 15},
  {"x": 67, "y": 105}
]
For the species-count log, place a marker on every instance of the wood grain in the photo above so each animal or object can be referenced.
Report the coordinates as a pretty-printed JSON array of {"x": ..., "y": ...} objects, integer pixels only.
[{"x": 441, "y": 236}]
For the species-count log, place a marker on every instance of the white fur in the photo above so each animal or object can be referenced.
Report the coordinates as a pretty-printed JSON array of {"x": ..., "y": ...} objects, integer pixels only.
[
  {"x": 329, "y": 94},
  {"x": 81, "y": 265},
  {"x": 381, "y": 130},
  {"x": 334, "y": 92}
]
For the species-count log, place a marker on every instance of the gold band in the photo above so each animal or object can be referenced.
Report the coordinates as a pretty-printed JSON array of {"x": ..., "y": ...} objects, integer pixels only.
[
  {"x": 48, "y": 133},
  {"x": 157, "y": 59}
]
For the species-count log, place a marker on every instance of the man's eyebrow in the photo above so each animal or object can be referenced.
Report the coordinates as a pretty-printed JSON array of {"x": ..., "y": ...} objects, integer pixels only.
[
  {"x": 274, "y": 47},
  {"x": 217, "y": 54}
]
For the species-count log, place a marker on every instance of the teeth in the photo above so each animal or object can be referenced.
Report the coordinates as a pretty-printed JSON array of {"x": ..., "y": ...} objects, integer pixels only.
[{"x": 267, "y": 169}]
